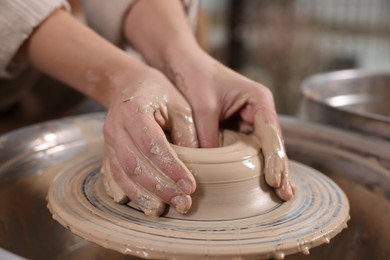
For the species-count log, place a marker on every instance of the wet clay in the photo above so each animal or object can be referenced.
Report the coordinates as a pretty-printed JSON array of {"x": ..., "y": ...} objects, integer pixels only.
[
  {"x": 246, "y": 228},
  {"x": 223, "y": 173}
]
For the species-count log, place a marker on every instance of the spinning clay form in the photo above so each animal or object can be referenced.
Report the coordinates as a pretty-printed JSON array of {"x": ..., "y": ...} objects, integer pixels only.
[{"x": 235, "y": 214}]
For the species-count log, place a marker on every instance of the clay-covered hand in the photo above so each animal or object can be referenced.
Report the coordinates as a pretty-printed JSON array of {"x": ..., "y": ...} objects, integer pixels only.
[
  {"x": 139, "y": 162},
  {"x": 218, "y": 94}
]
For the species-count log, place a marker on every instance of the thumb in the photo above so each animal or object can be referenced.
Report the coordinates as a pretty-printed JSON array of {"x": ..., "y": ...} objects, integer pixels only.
[
  {"x": 273, "y": 151},
  {"x": 207, "y": 128}
]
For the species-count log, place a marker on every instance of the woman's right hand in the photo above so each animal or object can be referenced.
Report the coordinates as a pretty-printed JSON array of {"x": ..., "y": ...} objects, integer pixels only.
[{"x": 139, "y": 164}]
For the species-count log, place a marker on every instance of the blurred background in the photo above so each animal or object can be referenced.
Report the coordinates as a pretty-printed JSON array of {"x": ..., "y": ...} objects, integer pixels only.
[
  {"x": 276, "y": 42},
  {"x": 280, "y": 43}
]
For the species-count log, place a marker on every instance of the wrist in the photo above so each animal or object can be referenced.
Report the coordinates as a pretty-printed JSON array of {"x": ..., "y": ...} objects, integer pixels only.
[
  {"x": 159, "y": 30},
  {"x": 177, "y": 55},
  {"x": 187, "y": 63},
  {"x": 122, "y": 77}
]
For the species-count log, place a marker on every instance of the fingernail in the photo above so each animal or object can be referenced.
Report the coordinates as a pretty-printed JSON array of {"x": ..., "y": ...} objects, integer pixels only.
[
  {"x": 181, "y": 203},
  {"x": 186, "y": 186},
  {"x": 285, "y": 192},
  {"x": 151, "y": 207}
]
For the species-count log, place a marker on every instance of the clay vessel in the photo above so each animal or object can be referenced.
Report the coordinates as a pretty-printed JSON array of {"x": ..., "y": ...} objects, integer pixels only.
[{"x": 229, "y": 180}]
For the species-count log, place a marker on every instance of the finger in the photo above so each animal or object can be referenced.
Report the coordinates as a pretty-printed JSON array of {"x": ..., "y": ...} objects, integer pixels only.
[
  {"x": 261, "y": 103},
  {"x": 276, "y": 170},
  {"x": 286, "y": 190},
  {"x": 207, "y": 124},
  {"x": 139, "y": 197},
  {"x": 154, "y": 146},
  {"x": 183, "y": 131},
  {"x": 273, "y": 151},
  {"x": 110, "y": 185}
]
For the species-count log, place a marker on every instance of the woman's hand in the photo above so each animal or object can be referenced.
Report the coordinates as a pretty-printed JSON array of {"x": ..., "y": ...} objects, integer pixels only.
[
  {"x": 139, "y": 163},
  {"x": 219, "y": 95},
  {"x": 138, "y": 158}
]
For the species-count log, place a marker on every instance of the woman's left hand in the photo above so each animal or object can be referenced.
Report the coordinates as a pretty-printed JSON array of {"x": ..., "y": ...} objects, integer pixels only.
[{"x": 217, "y": 96}]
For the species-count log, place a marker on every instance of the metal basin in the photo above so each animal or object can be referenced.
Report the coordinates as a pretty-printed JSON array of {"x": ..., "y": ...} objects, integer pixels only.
[
  {"x": 354, "y": 99},
  {"x": 31, "y": 157}
]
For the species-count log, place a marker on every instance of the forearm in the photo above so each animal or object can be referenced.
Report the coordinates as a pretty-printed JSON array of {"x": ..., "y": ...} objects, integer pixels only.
[
  {"x": 67, "y": 50},
  {"x": 160, "y": 31}
]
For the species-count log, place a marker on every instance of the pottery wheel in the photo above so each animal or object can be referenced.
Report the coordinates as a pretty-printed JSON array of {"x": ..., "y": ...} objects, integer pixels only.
[{"x": 318, "y": 212}]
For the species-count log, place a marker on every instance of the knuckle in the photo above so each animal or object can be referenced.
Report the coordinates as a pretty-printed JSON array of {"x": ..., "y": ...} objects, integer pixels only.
[
  {"x": 261, "y": 90},
  {"x": 108, "y": 129},
  {"x": 266, "y": 92}
]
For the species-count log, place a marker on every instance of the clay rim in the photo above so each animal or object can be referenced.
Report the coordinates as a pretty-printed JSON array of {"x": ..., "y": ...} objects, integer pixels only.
[{"x": 236, "y": 147}]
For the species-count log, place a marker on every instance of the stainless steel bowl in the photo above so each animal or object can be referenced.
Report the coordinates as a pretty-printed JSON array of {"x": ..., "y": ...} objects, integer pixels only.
[
  {"x": 31, "y": 157},
  {"x": 354, "y": 99}
]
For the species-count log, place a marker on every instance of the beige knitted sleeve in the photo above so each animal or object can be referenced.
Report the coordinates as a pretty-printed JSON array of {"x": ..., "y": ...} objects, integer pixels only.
[
  {"x": 18, "y": 18},
  {"x": 105, "y": 17}
]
